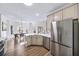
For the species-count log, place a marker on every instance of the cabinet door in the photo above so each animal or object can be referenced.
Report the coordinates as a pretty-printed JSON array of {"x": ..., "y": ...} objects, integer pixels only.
[
  {"x": 58, "y": 16},
  {"x": 44, "y": 41},
  {"x": 34, "y": 40},
  {"x": 47, "y": 43},
  {"x": 28, "y": 40},
  {"x": 69, "y": 12},
  {"x": 39, "y": 40}
]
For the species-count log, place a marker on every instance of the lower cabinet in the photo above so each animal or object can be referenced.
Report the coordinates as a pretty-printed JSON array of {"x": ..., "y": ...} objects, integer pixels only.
[
  {"x": 46, "y": 42},
  {"x": 39, "y": 40},
  {"x": 28, "y": 40},
  {"x": 34, "y": 40}
]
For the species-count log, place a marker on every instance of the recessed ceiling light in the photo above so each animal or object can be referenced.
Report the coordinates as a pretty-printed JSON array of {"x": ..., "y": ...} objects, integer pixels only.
[
  {"x": 28, "y": 4},
  {"x": 37, "y": 14}
]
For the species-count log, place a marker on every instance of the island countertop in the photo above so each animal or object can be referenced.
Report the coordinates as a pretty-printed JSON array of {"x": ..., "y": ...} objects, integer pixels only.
[{"x": 46, "y": 35}]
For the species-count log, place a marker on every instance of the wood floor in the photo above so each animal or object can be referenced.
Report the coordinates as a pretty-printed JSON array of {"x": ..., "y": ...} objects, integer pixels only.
[{"x": 21, "y": 50}]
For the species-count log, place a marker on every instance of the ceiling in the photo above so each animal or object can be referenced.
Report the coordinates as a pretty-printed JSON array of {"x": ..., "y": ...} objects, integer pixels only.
[{"x": 28, "y": 13}]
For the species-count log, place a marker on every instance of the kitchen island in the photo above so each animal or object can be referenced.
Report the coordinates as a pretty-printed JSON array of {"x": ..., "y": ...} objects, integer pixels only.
[{"x": 38, "y": 40}]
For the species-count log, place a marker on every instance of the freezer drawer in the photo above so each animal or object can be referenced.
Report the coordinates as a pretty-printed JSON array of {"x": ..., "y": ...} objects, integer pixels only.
[
  {"x": 55, "y": 49},
  {"x": 65, "y": 51},
  {"x": 60, "y": 50}
]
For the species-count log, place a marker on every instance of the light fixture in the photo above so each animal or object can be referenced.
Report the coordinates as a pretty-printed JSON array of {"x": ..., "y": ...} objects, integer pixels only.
[
  {"x": 28, "y": 4},
  {"x": 37, "y": 14}
]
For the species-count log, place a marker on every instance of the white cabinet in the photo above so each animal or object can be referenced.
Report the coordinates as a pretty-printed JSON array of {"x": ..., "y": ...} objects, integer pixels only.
[
  {"x": 28, "y": 40},
  {"x": 58, "y": 16},
  {"x": 46, "y": 42},
  {"x": 34, "y": 40},
  {"x": 70, "y": 12},
  {"x": 39, "y": 40}
]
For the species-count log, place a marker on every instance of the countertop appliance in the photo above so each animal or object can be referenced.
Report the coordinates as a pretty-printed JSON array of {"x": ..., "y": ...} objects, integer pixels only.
[{"x": 65, "y": 37}]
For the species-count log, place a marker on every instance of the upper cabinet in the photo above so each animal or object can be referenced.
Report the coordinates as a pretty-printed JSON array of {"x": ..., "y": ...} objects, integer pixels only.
[
  {"x": 58, "y": 16},
  {"x": 65, "y": 12},
  {"x": 70, "y": 12}
]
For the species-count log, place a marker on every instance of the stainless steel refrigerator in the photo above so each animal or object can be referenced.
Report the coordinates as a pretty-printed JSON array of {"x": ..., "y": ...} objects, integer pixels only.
[{"x": 65, "y": 37}]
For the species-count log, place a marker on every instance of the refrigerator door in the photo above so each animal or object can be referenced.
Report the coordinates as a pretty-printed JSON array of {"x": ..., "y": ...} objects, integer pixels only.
[
  {"x": 67, "y": 33},
  {"x": 56, "y": 30}
]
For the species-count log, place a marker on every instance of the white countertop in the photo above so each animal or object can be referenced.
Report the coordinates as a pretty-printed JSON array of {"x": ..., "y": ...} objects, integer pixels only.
[{"x": 46, "y": 35}]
